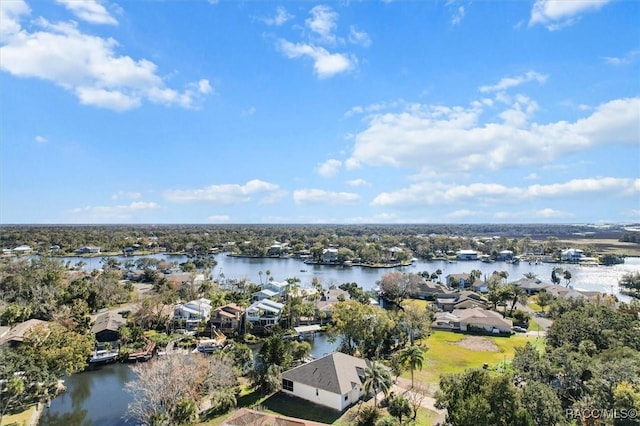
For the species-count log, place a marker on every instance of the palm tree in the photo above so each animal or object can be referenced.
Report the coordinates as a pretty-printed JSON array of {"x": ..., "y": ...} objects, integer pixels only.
[
  {"x": 377, "y": 378},
  {"x": 414, "y": 357},
  {"x": 519, "y": 295}
]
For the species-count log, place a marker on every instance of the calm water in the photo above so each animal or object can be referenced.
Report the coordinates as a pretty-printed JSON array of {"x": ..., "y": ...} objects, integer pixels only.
[
  {"x": 597, "y": 278},
  {"x": 98, "y": 398}
]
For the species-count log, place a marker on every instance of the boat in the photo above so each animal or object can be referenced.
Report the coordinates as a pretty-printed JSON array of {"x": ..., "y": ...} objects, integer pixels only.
[{"x": 103, "y": 356}]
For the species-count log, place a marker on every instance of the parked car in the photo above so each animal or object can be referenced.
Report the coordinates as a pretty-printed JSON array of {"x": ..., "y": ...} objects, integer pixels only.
[{"x": 518, "y": 329}]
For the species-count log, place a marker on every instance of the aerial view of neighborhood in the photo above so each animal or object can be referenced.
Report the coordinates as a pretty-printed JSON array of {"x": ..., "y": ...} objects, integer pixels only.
[
  {"x": 311, "y": 324},
  {"x": 319, "y": 212}
]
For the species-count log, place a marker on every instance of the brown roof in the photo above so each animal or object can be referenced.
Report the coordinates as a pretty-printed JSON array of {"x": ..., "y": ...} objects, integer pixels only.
[
  {"x": 247, "y": 417},
  {"x": 337, "y": 373},
  {"x": 16, "y": 334},
  {"x": 108, "y": 321}
]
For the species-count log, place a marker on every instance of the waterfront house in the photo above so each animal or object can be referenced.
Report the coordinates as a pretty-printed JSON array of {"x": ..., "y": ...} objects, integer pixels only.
[
  {"x": 461, "y": 280},
  {"x": 270, "y": 290},
  {"x": 334, "y": 381},
  {"x": 327, "y": 300},
  {"x": 23, "y": 249},
  {"x": 571, "y": 255},
  {"x": 425, "y": 290},
  {"x": 228, "y": 318},
  {"x": 330, "y": 255},
  {"x": 190, "y": 315},
  {"x": 88, "y": 250},
  {"x": 263, "y": 314},
  {"x": 467, "y": 255},
  {"x": 15, "y": 336},
  {"x": 106, "y": 327},
  {"x": 505, "y": 255}
]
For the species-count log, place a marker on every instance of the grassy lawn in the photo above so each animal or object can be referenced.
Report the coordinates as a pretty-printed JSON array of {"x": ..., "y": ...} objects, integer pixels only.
[
  {"x": 446, "y": 356},
  {"x": 18, "y": 418}
]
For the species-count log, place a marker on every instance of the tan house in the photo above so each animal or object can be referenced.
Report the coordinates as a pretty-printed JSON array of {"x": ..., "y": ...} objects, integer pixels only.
[
  {"x": 15, "y": 336},
  {"x": 473, "y": 319},
  {"x": 228, "y": 318},
  {"x": 462, "y": 300}
]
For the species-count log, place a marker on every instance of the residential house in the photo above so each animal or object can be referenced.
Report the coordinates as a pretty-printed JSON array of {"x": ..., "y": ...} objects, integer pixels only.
[
  {"x": 228, "y": 318},
  {"x": 327, "y": 300},
  {"x": 15, "y": 336},
  {"x": 88, "y": 250},
  {"x": 334, "y": 381},
  {"x": 271, "y": 290},
  {"x": 263, "y": 314},
  {"x": 567, "y": 292},
  {"x": 571, "y": 255},
  {"x": 530, "y": 285},
  {"x": 106, "y": 327},
  {"x": 462, "y": 280},
  {"x": 330, "y": 255},
  {"x": 505, "y": 255},
  {"x": 462, "y": 300},
  {"x": 23, "y": 249},
  {"x": 478, "y": 319},
  {"x": 426, "y": 290},
  {"x": 467, "y": 255},
  {"x": 190, "y": 315}
]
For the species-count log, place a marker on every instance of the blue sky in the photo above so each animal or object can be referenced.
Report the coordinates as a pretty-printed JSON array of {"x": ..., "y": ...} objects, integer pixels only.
[{"x": 319, "y": 112}]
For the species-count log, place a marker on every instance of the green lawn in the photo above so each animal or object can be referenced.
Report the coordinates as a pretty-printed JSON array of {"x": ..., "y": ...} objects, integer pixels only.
[{"x": 444, "y": 356}]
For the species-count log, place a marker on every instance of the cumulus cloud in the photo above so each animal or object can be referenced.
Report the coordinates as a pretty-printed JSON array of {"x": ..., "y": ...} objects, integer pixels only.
[
  {"x": 323, "y": 22},
  {"x": 329, "y": 168},
  {"x": 509, "y": 82},
  {"x": 438, "y": 193},
  {"x": 319, "y": 196},
  {"x": 325, "y": 63},
  {"x": 377, "y": 218},
  {"x": 556, "y": 14},
  {"x": 91, "y": 11},
  {"x": 40, "y": 139},
  {"x": 112, "y": 213},
  {"x": 222, "y": 194},
  {"x": 280, "y": 18},
  {"x": 443, "y": 139},
  {"x": 86, "y": 65}
]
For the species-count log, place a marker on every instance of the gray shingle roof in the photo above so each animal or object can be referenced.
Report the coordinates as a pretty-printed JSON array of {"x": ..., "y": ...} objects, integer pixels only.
[{"x": 336, "y": 373}]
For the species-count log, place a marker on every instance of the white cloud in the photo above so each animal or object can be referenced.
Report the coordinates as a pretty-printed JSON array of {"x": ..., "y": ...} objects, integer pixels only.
[
  {"x": 221, "y": 218},
  {"x": 444, "y": 139},
  {"x": 464, "y": 214},
  {"x": 438, "y": 193},
  {"x": 329, "y": 168},
  {"x": 91, "y": 11},
  {"x": 546, "y": 213},
  {"x": 319, "y": 196},
  {"x": 119, "y": 212},
  {"x": 359, "y": 37},
  {"x": 10, "y": 14},
  {"x": 40, "y": 139},
  {"x": 509, "y": 82},
  {"x": 326, "y": 64},
  {"x": 556, "y": 14},
  {"x": 222, "y": 194},
  {"x": 628, "y": 58},
  {"x": 532, "y": 176},
  {"x": 87, "y": 65},
  {"x": 126, "y": 194},
  {"x": 280, "y": 18},
  {"x": 358, "y": 182},
  {"x": 323, "y": 22},
  {"x": 377, "y": 218}
]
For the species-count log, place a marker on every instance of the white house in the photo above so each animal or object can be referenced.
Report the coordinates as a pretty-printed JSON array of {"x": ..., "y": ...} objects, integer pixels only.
[
  {"x": 270, "y": 290},
  {"x": 264, "y": 313},
  {"x": 330, "y": 255},
  {"x": 571, "y": 255},
  {"x": 334, "y": 381},
  {"x": 191, "y": 314},
  {"x": 467, "y": 255},
  {"x": 473, "y": 318}
]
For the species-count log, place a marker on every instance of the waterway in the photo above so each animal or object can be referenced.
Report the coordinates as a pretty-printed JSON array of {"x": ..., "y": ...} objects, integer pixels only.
[
  {"x": 98, "y": 398},
  {"x": 595, "y": 278}
]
